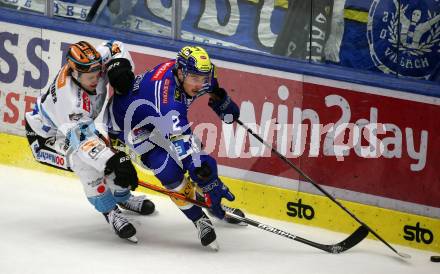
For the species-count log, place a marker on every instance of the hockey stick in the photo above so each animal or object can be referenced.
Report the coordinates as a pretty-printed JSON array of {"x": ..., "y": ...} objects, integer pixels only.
[
  {"x": 346, "y": 244},
  {"x": 308, "y": 179}
]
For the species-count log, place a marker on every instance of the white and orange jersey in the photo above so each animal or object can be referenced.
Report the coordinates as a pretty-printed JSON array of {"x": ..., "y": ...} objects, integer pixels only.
[{"x": 68, "y": 112}]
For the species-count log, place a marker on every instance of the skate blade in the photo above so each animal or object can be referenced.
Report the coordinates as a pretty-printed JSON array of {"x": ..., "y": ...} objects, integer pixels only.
[
  {"x": 214, "y": 246},
  {"x": 133, "y": 239}
]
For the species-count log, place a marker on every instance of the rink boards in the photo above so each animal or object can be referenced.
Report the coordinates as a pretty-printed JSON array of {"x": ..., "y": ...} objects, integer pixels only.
[
  {"x": 292, "y": 206},
  {"x": 366, "y": 144}
]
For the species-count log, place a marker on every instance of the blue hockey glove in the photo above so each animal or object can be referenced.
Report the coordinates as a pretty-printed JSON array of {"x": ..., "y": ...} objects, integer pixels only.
[
  {"x": 214, "y": 190},
  {"x": 223, "y": 105}
]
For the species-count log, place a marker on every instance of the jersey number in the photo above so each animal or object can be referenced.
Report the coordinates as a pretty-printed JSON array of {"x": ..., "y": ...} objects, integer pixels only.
[{"x": 175, "y": 123}]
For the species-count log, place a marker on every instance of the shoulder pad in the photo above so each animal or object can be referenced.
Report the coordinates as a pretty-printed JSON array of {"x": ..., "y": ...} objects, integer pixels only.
[
  {"x": 62, "y": 77},
  {"x": 159, "y": 71},
  {"x": 111, "y": 49}
]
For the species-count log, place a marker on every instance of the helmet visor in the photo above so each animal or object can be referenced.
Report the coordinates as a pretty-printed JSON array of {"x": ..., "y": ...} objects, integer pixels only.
[{"x": 96, "y": 65}]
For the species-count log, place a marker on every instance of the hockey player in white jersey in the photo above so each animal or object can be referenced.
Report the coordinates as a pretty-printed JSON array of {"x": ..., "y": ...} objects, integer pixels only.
[{"x": 61, "y": 130}]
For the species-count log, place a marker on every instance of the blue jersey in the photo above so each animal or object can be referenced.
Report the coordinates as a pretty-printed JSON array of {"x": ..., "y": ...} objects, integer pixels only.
[
  {"x": 156, "y": 101},
  {"x": 156, "y": 95}
]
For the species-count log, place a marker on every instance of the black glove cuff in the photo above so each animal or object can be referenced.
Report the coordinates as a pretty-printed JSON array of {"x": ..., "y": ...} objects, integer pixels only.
[
  {"x": 118, "y": 64},
  {"x": 114, "y": 161},
  {"x": 120, "y": 75}
]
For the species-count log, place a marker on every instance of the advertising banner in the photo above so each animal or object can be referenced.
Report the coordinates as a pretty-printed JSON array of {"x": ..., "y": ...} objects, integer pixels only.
[
  {"x": 390, "y": 36},
  {"x": 305, "y": 30},
  {"x": 74, "y": 9},
  {"x": 247, "y": 24},
  {"x": 343, "y": 138}
]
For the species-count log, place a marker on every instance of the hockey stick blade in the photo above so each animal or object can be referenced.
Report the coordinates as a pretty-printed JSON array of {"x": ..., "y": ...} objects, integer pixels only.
[
  {"x": 352, "y": 240},
  {"x": 322, "y": 190},
  {"x": 346, "y": 244}
]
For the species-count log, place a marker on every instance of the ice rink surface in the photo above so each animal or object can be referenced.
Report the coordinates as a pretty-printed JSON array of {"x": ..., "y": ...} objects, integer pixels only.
[{"x": 48, "y": 226}]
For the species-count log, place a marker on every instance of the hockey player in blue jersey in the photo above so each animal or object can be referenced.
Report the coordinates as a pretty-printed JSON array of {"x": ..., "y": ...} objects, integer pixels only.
[{"x": 152, "y": 121}]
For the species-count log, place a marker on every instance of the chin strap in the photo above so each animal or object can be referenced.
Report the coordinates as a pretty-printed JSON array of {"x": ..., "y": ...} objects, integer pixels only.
[
  {"x": 189, "y": 99},
  {"x": 76, "y": 81}
]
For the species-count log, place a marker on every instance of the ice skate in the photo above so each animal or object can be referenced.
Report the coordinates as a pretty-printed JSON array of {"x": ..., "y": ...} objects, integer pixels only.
[
  {"x": 206, "y": 232},
  {"x": 122, "y": 227},
  {"x": 138, "y": 204}
]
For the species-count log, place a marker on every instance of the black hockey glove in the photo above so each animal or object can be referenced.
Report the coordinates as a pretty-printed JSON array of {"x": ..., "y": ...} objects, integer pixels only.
[
  {"x": 125, "y": 174},
  {"x": 223, "y": 105},
  {"x": 120, "y": 75}
]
